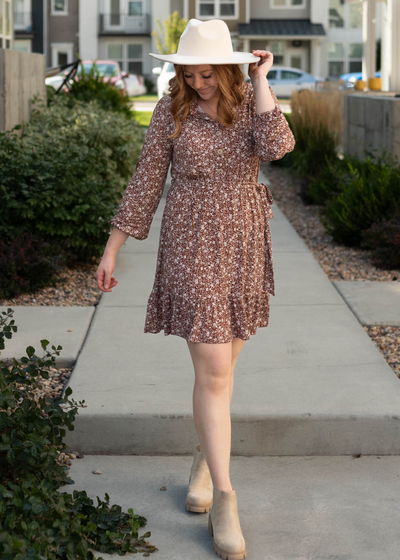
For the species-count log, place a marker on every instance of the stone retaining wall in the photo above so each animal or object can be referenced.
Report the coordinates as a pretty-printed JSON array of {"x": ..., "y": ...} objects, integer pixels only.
[{"x": 371, "y": 122}]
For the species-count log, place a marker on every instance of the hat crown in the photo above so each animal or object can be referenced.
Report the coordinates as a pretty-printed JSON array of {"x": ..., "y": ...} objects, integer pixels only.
[{"x": 205, "y": 38}]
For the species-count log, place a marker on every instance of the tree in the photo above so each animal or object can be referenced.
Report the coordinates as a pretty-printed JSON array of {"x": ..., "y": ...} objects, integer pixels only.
[{"x": 167, "y": 33}]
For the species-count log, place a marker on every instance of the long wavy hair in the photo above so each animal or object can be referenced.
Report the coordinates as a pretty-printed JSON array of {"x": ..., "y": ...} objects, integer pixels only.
[{"x": 230, "y": 81}]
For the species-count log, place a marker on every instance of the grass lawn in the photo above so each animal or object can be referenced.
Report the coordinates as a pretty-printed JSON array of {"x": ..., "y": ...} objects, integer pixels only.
[
  {"x": 143, "y": 117},
  {"x": 147, "y": 97}
]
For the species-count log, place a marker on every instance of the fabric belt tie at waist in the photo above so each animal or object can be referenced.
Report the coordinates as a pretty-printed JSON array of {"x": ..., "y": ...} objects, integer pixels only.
[{"x": 262, "y": 186}]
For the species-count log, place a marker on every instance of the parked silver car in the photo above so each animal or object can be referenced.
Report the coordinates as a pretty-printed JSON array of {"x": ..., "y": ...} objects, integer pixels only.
[{"x": 285, "y": 80}]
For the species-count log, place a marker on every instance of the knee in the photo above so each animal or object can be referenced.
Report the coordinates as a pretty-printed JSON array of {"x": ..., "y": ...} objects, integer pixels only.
[{"x": 215, "y": 381}]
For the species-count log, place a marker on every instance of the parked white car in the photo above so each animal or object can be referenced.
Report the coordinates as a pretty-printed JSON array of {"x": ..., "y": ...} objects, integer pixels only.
[
  {"x": 164, "y": 73},
  {"x": 134, "y": 84},
  {"x": 283, "y": 80},
  {"x": 55, "y": 81}
]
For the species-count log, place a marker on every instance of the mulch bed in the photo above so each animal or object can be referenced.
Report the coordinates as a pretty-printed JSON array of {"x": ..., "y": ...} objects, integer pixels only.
[{"x": 338, "y": 261}]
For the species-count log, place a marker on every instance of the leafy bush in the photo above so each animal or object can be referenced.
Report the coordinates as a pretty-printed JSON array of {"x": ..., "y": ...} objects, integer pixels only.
[
  {"x": 27, "y": 263},
  {"x": 149, "y": 86},
  {"x": 66, "y": 174},
  {"x": 328, "y": 183},
  {"x": 36, "y": 521},
  {"x": 383, "y": 237},
  {"x": 90, "y": 86},
  {"x": 369, "y": 191}
]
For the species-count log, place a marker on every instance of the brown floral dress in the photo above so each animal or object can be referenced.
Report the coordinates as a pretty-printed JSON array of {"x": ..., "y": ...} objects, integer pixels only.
[{"x": 214, "y": 272}]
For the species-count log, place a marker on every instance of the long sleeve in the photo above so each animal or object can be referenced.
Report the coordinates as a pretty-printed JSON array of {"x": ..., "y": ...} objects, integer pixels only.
[
  {"x": 271, "y": 132},
  {"x": 144, "y": 191}
]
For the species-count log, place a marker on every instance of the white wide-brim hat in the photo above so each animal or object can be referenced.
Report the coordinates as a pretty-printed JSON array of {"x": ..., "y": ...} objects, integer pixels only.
[{"x": 206, "y": 42}]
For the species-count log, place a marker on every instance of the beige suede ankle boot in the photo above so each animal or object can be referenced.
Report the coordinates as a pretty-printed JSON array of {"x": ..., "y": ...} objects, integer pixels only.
[
  {"x": 200, "y": 493},
  {"x": 224, "y": 526}
]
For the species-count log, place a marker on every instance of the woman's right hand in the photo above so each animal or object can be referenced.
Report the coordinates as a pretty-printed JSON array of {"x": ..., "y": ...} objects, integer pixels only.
[{"x": 105, "y": 281}]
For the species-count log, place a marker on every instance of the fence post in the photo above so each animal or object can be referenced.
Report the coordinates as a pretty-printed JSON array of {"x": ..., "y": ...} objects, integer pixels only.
[{"x": 22, "y": 75}]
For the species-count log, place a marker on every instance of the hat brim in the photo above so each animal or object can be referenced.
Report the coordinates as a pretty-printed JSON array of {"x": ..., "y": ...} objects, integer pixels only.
[{"x": 236, "y": 58}]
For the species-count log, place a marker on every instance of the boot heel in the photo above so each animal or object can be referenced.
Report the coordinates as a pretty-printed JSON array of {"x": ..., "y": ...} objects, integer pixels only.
[
  {"x": 210, "y": 527},
  {"x": 199, "y": 495}
]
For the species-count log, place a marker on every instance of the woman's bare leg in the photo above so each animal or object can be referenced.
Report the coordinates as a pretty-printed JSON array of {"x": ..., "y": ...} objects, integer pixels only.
[
  {"x": 237, "y": 347},
  {"x": 211, "y": 405}
]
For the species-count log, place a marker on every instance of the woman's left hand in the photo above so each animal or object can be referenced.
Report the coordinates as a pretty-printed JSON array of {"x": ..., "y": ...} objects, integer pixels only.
[{"x": 263, "y": 66}]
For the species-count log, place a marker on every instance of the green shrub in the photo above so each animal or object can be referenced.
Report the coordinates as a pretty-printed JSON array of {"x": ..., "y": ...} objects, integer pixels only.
[
  {"x": 328, "y": 183},
  {"x": 383, "y": 238},
  {"x": 149, "y": 86},
  {"x": 64, "y": 177},
  {"x": 368, "y": 192},
  {"x": 314, "y": 153},
  {"x": 36, "y": 521},
  {"x": 27, "y": 263},
  {"x": 90, "y": 86}
]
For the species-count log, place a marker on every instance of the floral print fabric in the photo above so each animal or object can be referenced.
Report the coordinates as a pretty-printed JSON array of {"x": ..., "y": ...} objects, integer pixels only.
[{"x": 214, "y": 273}]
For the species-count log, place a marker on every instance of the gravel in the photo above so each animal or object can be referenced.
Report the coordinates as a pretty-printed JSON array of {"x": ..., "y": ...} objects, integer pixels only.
[
  {"x": 74, "y": 287},
  {"x": 337, "y": 261}
]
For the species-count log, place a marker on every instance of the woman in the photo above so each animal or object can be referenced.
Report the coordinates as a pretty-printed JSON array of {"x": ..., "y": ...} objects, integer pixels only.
[{"x": 214, "y": 271}]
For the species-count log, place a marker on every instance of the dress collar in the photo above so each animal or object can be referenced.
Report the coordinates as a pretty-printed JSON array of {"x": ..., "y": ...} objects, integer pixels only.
[{"x": 198, "y": 112}]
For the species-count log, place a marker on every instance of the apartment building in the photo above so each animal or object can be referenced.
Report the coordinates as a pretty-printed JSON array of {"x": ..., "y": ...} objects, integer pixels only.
[
  {"x": 323, "y": 37},
  {"x": 122, "y": 30}
]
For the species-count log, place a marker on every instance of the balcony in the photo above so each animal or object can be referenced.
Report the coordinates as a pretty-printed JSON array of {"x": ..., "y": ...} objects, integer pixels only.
[
  {"x": 124, "y": 24},
  {"x": 23, "y": 23}
]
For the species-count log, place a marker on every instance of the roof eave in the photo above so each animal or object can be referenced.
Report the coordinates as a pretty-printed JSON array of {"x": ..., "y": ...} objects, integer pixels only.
[{"x": 271, "y": 36}]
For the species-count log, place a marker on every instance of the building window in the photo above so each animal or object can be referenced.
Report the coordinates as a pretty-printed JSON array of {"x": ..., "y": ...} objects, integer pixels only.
[
  {"x": 336, "y": 13},
  {"x": 278, "y": 50},
  {"x": 355, "y": 56},
  {"x": 226, "y": 9},
  {"x": 135, "y": 59},
  {"x": 336, "y": 50},
  {"x": 129, "y": 56},
  {"x": 336, "y": 59},
  {"x": 7, "y": 21},
  {"x": 115, "y": 52},
  {"x": 355, "y": 15},
  {"x": 288, "y": 3},
  {"x": 135, "y": 8},
  {"x": 22, "y": 46},
  {"x": 343, "y": 14},
  {"x": 336, "y": 68},
  {"x": 59, "y": 7}
]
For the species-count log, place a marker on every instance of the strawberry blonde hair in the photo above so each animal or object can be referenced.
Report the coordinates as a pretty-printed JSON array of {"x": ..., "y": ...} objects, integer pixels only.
[{"x": 230, "y": 81}]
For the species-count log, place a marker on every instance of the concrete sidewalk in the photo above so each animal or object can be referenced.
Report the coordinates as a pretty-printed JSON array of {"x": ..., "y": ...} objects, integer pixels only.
[
  {"x": 311, "y": 383},
  {"x": 290, "y": 508}
]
